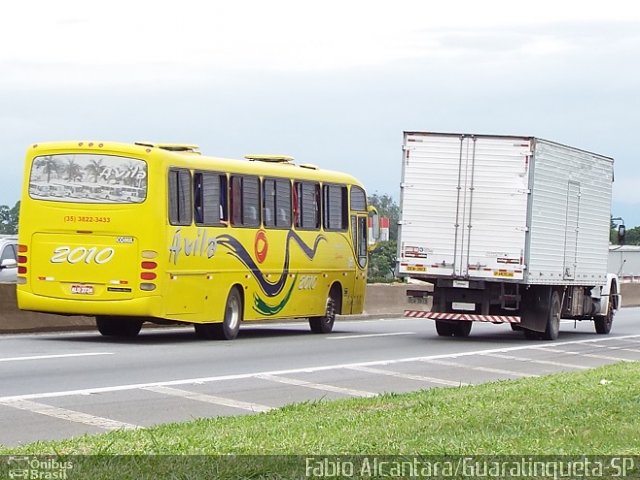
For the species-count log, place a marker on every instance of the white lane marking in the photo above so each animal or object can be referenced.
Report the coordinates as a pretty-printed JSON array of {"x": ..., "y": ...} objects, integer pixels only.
[
  {"x": 201, "y": 397},
  {"x": 317, "y": 386},
  {"x": 368, "y": 335},
  {"x": 617, "y": 349},
  {"x": 533, "y": 360},
  {"x": 481, "y": 369},
  {"x": 582, "y": 354},
  {"x": 48, "y": 357},
  {"x": 69, "y": 415},
  {"x": 408, "y": 376},
  {"x": 322, "y": 368}
]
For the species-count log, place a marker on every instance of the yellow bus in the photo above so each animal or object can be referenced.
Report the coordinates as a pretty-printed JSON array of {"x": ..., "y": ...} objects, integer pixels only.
[{"x": 158, "y": 232}]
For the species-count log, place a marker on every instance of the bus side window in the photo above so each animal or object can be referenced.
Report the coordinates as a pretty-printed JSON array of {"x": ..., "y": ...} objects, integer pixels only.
[
  {"x": 307, "y": 205},
  {"x": 209, "y": 188},
  {"x": 277, "y": 202},
  {"x": 198, "y": 210},
  {"x": 245, "y": 201},
  {"x": 180, "y": 209},
  {"x": 269, "y": 201},
  {"x": 358, "y": 199},
  {"x": 283, "y": 203},
  {"x": 336, "y": 212}
]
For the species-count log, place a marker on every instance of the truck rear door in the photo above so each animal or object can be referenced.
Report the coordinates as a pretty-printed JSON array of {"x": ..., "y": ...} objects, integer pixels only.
[{"x": 464, "y": 206}]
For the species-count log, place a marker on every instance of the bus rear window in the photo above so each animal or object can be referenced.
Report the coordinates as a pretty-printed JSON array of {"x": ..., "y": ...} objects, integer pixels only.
[{"x": 88, "y": 178}]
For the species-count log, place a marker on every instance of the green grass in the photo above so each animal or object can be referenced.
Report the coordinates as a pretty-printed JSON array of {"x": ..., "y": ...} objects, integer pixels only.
[{"x": 596, "y": 412}]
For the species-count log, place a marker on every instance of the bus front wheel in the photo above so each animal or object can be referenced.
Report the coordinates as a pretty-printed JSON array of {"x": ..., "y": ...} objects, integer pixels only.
[
  {"x": 126, "y": 327},
  {"x": 325, "y": 323}
]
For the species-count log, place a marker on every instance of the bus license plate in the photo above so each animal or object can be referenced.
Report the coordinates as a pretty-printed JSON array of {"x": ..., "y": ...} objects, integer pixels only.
[{"x": 82, "y": 289}]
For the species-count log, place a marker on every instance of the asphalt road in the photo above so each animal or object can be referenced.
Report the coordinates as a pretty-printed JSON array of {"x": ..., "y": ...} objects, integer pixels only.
[{"x": 66, "y": 384}]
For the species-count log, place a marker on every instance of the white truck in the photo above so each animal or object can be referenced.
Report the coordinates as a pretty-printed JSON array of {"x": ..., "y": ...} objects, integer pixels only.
[{"x": 508, "y": 229}]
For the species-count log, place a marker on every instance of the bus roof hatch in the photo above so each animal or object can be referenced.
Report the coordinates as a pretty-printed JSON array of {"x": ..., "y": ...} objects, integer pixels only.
[
  {"x": 172, "y": 147},
  {"x": 270, "y": 158}
]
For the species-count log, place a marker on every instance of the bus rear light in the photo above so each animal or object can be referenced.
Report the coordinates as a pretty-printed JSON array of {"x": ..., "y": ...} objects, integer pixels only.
[
  {"x": 149, "y": 254},
  {"x": 22, "y": 259},
  {"x": 148, "y": 276},
  {"x": 147, "y": 287},
  {"x": 22, "y": 248},
  {"x": 22, "y": 270},
  {"x": 149, "y": 265},
  {"x": 21, "y": 281}
]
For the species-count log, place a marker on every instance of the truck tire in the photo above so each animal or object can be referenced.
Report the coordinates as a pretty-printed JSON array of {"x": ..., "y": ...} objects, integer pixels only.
[
  {"x": 553, "y": 318},
  {"x": 603, "y": 323},
  {"x": 453, "y": 329}
]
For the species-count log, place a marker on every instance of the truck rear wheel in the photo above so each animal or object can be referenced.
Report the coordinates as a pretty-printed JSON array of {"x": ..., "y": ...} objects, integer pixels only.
[
  {"x": 553, "y": 318},
  {"x": 458, "y": 328}
]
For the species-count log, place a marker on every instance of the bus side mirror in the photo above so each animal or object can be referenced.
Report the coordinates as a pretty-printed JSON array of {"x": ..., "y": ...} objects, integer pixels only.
[
  {"x": 622, "y": 231},
  {"x": 374, "y": 228}
]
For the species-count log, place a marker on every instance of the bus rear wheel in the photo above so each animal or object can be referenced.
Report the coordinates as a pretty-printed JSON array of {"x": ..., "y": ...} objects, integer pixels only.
[
  {"x": 325, "y": 323},
  {"x": 228, "y": 329},
  {"x": 126, "y": 327}
]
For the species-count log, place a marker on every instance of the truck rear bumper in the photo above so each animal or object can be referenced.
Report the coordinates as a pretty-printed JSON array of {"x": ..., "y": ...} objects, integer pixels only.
[{"x": 468, "y": 317}]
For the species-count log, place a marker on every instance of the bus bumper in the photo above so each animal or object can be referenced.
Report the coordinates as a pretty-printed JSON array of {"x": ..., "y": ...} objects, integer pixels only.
[{"x": 136, "y": 307}]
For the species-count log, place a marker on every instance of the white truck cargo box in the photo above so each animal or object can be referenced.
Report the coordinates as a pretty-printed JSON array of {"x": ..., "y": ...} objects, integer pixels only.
[{"x": 503, "y": 208}]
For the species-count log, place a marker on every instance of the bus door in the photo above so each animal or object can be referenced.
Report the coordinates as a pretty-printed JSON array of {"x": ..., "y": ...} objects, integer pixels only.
[{"x": 359, "y": 225}]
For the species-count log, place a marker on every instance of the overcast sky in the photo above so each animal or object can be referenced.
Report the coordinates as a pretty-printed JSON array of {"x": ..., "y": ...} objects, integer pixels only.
[{"x": 334, "y": 83}]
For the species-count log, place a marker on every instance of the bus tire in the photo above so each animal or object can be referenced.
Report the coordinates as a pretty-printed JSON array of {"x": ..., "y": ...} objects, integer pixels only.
[
  {"x": 125, "y": 327},
  {"x": 325, "y": 323},
  {"x": 230, "y": 325}
]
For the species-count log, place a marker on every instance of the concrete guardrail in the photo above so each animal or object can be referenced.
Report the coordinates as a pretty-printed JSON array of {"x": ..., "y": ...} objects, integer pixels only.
[{"x": 381, "y": 300}]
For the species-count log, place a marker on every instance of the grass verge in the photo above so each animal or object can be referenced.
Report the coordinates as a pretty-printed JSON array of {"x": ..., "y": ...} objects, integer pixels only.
[{"x": 596, "y": 412}]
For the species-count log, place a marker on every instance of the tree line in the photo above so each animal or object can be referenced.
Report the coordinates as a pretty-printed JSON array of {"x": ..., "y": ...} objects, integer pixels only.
[{"x": 9, "y": 219}]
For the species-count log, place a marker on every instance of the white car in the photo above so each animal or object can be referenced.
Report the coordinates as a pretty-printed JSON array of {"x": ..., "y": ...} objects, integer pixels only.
[{"x": 8, "y": 258}]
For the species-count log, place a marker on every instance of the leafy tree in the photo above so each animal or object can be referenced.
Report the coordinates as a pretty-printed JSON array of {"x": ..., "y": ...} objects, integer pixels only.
[
  {"x": 633, "y": 236},
  {"x": 387, "y": 207},
  {"x": 9, "y": 219},
  {"x": 382, "y": 262}
]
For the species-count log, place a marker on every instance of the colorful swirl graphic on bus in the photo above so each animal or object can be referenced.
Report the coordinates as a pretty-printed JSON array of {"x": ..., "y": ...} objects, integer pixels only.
[{"x": 271, "y": 289}]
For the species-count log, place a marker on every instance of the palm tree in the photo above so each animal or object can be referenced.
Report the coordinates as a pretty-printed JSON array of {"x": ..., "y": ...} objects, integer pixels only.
[
  {"x": 94, "y": 168},
  {"x": 49, "y": 165},
  {"x": 73, "y": 170}
]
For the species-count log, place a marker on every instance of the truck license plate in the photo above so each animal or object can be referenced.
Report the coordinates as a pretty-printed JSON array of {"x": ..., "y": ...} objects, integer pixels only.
[{"x": 82, "y": 289}]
